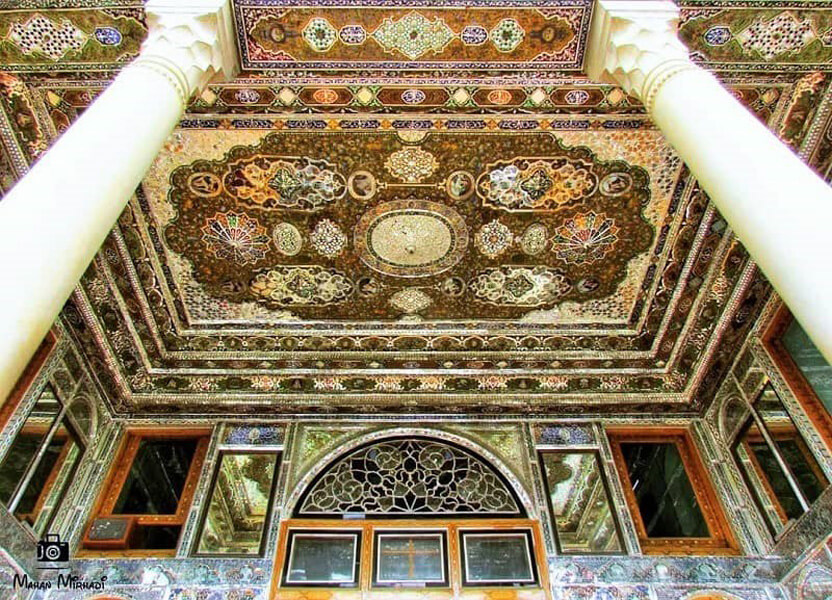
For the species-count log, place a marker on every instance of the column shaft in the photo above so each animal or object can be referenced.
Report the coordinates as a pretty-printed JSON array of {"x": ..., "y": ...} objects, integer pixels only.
[
  {"x": 55, "y": 219},
  {"x": 779, "y": 209},
  {"x": 776, "y": 205}
]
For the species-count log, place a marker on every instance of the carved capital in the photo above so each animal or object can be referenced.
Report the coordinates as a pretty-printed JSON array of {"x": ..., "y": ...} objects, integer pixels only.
[
  {"x": 190, "y": 42},
  {"x": 633, "y": 44}
]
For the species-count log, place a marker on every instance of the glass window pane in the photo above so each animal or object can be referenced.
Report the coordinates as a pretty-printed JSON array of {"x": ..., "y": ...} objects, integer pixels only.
[
  {"x": 767, "y": 479},
  {"x": 810, "y": 362},
  {"x": 497, "y": 558},
  {"x": 157, "y": 477},
  {"x": 27, "y": 442},
  {"x": 402, "y": 558},
  {"x": 81, "y": 409},
  {"x": 810, "y": 479},
  {"x": 807, "y": 473},
  {"x": 663, "y": 491},
  {"x": 323, "y": 558},
  {"x": 155, "y": 537},
  {"x": 50, "y": 493},
  {"x": 239, "y": 504},
  {"x": 51, "y": 475},
  {"x": 580, "y": 503}
]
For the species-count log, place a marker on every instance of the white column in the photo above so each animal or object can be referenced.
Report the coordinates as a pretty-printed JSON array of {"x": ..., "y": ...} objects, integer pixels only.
[
  {"x": 777, "y": 206},
  {"x": 55, "y": 218}
]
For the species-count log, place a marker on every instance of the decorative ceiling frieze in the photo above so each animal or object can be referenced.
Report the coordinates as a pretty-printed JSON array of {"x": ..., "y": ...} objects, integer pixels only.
[
  {"x": 757, "y": 35},
  {"x": 501, "y": 35}
]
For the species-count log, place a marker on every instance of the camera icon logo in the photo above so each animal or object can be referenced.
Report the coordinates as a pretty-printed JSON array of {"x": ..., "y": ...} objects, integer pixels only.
[{"x": 52, "y": 549}]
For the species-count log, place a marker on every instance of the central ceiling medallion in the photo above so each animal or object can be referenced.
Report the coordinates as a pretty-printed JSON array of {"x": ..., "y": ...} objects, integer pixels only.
[{"x": 411, "y": 238}]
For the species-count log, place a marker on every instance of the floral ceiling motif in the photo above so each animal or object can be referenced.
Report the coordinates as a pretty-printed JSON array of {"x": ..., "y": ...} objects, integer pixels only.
[
  {"x": 69, "y": 39},
  {"x": 411, "y": 227}
]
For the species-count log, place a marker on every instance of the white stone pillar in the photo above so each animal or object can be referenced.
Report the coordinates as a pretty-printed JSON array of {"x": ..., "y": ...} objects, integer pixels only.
[
  {"x": 777, "y": 206},
  {"x": 56, "y": 217}
]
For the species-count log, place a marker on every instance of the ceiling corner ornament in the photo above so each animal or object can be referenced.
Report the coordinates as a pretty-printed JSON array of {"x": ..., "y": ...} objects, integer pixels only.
[{"x": 191, "y": 45}]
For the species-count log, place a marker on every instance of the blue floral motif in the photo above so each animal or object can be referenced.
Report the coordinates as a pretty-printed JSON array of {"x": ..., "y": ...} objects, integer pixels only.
[
  {"x": 566, "y": 435},
  {"x": 717, "y": 36},
  {"x": 474, "y": 35},
  {"x": 108, "y": 36},
  {"x": 413, "y": 96},
  {"x": 254, "y": 435},
  {"x": 353, "y": 35}
]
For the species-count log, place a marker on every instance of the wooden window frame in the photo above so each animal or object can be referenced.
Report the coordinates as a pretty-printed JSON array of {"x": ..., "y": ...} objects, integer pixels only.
[
  {"x": 66, "y": 437},
  {"x": 742, "y": 440},
  {"x": 797, "y": 382},
  {"x": 453, "y": 529},
  {"x": 785, "y": 431},
  {"x": 30, "y": 373},
  {"x": 47, "y": 433},
  {"x": 41, "y": 431},
  {"x": 380, "y": 532},
  {"x": 120, "y": 470},
  {"x": 604, "y": 483},
  {"x": 356, "y": 533},
  {"x": 528, "y": 538},
  {"x": 210, "y": 494},
  {"x": 721, "y": 540}
]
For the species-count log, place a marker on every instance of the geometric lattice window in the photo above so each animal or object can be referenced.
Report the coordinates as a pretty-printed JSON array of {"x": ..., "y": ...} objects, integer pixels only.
[{"x": 398, "y": 477}]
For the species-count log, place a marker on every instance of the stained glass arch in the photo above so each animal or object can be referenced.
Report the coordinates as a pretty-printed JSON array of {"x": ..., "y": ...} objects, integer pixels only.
[{"x": 409, "y": 476}]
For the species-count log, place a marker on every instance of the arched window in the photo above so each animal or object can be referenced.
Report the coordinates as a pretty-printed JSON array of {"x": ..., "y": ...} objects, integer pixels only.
[
  {"x": 410, "y": 477},
  {"x": 411, "y": 511}
]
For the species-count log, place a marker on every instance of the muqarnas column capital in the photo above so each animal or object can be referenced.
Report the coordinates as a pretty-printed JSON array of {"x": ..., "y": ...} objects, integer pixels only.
[
  {"x": 633, "y": 44},
  {"x": 190, "y": 42}
]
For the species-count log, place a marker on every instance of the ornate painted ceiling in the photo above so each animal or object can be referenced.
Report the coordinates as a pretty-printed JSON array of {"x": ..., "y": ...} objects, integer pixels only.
[{"x": 421, "y": 208}]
